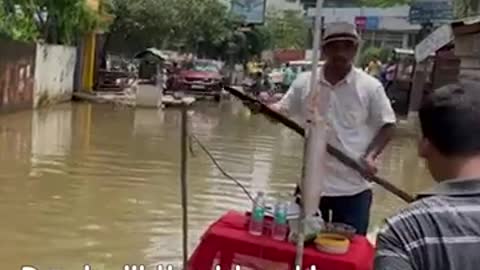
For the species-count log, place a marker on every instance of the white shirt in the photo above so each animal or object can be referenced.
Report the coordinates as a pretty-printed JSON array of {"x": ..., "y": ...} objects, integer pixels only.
[{"x": 358, "y": 109}]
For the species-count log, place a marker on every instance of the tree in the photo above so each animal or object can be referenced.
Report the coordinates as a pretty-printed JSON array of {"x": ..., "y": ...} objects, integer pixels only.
[
  {"x": 128, "y": 31},
  {"x": 15, "y": 24},
  {"x": 204, "y": 22},
  {"x": 203, "y": 27},
  {"x": 57, "y": 22},
  {"x": 466, "y": 8},
  {"x": 200, "y": 26},
  {"x": 369, "y": 53},
  {"x": 286, "y": 30}
]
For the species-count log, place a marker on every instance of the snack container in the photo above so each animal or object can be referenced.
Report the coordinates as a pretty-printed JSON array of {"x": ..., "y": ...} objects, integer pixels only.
[
  {"x": 332, "y": 243},
  {"x": 339, "y": 228}
]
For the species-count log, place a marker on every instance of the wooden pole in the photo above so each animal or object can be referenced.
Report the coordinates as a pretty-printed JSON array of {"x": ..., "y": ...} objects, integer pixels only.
[
  {"x": 342, "y": 157},
  {"x": 183, "y": 179}
]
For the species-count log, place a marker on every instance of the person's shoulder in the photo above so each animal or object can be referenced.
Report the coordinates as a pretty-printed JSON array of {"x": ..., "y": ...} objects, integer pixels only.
[
  {"x": 366, "y": 79},
  {"x": 409, "y": 215}
]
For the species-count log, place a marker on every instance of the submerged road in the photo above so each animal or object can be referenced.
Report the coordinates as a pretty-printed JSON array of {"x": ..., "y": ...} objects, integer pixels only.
[{"x": 99, "y": 184}]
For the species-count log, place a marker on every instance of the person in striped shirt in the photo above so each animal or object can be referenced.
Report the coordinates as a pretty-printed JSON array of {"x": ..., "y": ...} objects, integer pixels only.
[{"x": 441, "y": 229}]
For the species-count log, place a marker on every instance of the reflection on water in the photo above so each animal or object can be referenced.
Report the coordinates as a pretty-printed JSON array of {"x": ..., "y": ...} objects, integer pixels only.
[{"x": 95, "y": 184}]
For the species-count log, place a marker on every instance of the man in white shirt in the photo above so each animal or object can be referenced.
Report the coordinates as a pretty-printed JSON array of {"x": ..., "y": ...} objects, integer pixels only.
[{"x": 361, "y": 120}]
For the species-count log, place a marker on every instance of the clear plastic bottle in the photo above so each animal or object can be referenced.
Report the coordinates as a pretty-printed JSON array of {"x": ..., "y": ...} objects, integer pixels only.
[
  {"x": 258, "y": 214},
  {"x": 280, "y": 225}
]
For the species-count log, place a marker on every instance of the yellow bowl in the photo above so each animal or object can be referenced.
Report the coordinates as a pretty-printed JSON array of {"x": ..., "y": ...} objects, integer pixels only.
[{"x": 332, "y": 243}]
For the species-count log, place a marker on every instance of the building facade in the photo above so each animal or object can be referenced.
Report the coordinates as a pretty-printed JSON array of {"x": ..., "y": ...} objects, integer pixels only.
[{"x": 379, "y": 27}]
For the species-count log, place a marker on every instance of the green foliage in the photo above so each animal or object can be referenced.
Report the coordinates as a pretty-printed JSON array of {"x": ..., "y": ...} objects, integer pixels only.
[
  {"x": 205, "y": 27},
  {"x": 465, "y": 8},
  {"x": 16, "y": 25},
  {"x": 188, "y": 25},
  {"x": 58, "y": 22},
  {"x": 369, "y": 53},
  {"x": 287, "y": 30},
  {"x": 385, "y": 3}
]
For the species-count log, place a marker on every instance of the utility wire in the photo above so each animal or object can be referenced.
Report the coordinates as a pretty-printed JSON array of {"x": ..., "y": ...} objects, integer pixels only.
[{"x": 220, "y": 167}]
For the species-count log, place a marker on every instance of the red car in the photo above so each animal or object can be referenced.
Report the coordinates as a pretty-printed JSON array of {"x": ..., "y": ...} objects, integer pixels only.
[{"x": 199, "y": 78}]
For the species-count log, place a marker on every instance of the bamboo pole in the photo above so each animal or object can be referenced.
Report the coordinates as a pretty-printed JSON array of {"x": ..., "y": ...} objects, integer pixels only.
[
  {"x": 308, "y": 139},
  {"x": 183, "y": 179},
  {"x": 339, "y": 155}
]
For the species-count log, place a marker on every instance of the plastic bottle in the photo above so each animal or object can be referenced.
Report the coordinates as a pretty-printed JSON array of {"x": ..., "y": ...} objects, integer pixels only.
[
  {"x": 258, "y": 214},
  {"x": 280, "y": 225}
]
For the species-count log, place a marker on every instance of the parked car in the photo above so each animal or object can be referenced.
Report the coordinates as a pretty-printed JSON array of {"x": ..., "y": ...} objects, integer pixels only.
[{"x": 199, "y": 78}]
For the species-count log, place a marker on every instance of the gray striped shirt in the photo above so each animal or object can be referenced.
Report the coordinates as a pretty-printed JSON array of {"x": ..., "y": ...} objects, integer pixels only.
[{"x": 439, "y": 231}]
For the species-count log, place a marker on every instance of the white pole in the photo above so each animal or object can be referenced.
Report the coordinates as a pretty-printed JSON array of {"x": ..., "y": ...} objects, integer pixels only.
[
  {"x": 316, "y": 44},
  {"x": 308, "y": 142}
]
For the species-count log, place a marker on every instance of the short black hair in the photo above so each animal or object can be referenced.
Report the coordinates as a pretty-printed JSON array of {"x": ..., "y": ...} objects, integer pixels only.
[{"x": 450, "y": 118}]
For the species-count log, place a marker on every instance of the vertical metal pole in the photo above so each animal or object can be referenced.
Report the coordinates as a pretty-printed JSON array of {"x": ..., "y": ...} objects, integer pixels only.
[
  {"x": 308, "y": 141},
  {"x": 183, "y": 178}
]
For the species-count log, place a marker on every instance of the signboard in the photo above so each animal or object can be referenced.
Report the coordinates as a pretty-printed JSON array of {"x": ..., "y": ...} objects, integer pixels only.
[
  {"x": 333, "y": 3},
  {"x": 372, "y": 23},
  {"x": 436, "y": 40},
  {"x": 251, "y": 11},
  {"x": 361, "y": 22},
  {"x": 430, "y": 11}
]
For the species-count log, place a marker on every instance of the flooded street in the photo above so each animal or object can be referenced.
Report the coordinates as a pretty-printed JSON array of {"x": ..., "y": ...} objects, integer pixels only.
[{"x": 99, "y": 185}]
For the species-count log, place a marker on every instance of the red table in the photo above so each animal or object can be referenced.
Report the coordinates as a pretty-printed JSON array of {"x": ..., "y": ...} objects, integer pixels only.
[{"x": 227, "y": 243}]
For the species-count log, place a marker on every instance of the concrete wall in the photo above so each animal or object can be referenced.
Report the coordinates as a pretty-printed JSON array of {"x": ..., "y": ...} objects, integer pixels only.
[
  {"x": 17, "y": 63},
  {"x": 54, "y": 74}
]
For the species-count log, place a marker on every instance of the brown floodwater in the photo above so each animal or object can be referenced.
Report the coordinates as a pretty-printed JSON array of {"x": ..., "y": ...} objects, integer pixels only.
[{"x": 99, "y": 184}]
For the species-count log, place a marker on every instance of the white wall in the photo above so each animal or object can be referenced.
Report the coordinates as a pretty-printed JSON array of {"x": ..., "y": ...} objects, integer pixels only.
[{"x": 54, "y": 74}]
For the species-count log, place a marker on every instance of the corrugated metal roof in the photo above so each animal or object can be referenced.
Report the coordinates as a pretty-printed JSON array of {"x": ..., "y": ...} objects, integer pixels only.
[{"x": 433, "y": 42}]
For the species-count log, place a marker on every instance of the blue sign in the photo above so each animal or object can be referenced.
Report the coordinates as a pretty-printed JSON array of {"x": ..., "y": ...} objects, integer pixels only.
[
  {"x": 251, "y": 11},
  {"x": 372, "y": 23},
  {"x": 430, "y": 11}
]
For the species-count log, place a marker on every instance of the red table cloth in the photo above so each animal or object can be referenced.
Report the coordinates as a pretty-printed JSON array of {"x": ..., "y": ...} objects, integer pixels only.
[{"x": 227, "y": 243}]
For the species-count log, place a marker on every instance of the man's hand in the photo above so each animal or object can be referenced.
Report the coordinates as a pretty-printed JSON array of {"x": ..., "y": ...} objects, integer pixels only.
[
  {"x": 254, "y": 107},
  {"x": 275, "y": 107},
  {"x": 368, "y": 162}
]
